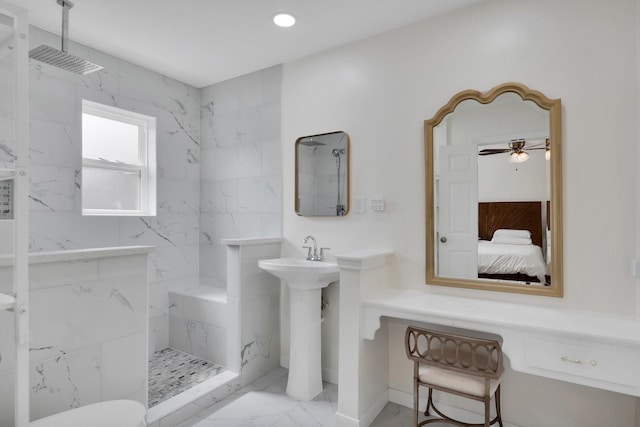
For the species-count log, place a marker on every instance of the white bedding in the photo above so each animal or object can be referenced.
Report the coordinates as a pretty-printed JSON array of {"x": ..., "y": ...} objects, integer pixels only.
[{"x": 498, "y": 258}]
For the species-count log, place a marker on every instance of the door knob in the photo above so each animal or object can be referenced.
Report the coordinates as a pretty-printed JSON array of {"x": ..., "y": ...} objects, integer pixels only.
[{"x": 443, "y": 239}]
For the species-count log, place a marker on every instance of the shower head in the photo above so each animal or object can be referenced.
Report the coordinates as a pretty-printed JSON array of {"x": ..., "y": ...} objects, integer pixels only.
[
  {"x": 309, "y": 142},
  {"x": 61, "y": 58}
]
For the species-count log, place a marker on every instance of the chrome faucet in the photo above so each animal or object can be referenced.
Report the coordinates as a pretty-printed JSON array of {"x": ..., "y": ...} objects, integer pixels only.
[{"x": 314, "y": 256}]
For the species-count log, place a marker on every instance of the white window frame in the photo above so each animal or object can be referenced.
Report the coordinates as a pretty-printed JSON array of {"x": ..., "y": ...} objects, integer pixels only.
[{"x": 146, "y": 153}]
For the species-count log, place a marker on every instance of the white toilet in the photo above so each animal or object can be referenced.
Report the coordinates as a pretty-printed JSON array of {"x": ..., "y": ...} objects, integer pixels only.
[{"x": 112, "y": 413}]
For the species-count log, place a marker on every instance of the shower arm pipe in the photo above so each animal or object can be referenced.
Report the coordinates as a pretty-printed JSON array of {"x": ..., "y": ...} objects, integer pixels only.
[
  {"x": 66, "y": 5},
  {"x": 338, "y": 179}
]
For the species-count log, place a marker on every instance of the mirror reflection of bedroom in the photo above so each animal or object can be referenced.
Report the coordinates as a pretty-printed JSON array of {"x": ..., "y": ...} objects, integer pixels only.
[{"x": 492, "y": 194}]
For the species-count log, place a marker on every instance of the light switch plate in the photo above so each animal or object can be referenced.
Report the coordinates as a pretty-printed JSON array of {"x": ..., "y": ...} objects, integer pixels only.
[{"x": 377, "y": 203}]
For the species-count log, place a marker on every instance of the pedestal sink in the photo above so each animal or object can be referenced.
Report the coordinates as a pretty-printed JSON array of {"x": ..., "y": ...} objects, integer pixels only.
[{"x": 305, "y": 280}]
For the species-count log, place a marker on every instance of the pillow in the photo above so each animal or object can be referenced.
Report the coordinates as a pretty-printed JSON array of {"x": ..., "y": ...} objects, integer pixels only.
[
  {"x": 504, "y": 232},
  {"x": 511, "y": 240}
]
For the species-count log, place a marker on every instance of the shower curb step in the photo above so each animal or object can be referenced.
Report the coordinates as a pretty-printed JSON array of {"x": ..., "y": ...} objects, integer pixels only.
[{"x": 190, "y": 402}]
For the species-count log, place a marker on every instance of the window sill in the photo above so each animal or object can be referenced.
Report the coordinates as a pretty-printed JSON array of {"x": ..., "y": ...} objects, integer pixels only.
[{"x": 105, "y": 212}]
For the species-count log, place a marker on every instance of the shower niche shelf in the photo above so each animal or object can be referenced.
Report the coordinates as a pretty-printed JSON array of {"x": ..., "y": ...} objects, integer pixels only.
[
  {"x": 7, "y": 302},
  {"x": 6, "y": 190}
]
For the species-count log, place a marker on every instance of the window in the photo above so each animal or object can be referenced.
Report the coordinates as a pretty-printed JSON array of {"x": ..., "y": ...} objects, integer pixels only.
[{"x": 118, "y": 161}]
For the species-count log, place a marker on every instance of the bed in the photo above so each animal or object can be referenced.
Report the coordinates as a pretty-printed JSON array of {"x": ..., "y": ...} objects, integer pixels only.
[{"x": 508, "y": 258}]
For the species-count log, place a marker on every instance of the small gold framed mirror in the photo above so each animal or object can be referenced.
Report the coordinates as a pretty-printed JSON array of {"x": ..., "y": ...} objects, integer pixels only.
[
  {"x": 322, "y": 174},
  {"x": 494, "y": 192}
]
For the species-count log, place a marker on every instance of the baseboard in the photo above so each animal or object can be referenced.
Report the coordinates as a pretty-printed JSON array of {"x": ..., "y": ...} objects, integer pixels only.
[
  {"x": 375, "y": 409},
  {"x": 328, "y": 375},
  {"x": 284, "y": 362},
  {"x": 367, "y": 418},
  {"x": 345, "y": 421},
  {"x": 406, "y": 399}
]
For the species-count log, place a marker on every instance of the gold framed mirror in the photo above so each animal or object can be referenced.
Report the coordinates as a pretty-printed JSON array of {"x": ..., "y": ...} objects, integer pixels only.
[{"x": 493, "y": 189}]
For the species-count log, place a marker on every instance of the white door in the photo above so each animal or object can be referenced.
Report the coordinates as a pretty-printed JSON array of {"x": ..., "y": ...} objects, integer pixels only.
[{"x": 457, "y": 236}]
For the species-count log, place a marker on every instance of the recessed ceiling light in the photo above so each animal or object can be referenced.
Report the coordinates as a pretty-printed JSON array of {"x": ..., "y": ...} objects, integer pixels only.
[{"x": 284, "y": 20}]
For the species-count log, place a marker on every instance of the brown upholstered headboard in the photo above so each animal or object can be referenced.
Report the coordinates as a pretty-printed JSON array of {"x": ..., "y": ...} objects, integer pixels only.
[{"x": 515, "y": 215}]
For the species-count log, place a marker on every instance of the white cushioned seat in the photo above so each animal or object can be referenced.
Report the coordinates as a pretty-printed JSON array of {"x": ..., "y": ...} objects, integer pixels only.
[
  {"x": 461, "y": 365},
  {"x": 454, "y": 381}
]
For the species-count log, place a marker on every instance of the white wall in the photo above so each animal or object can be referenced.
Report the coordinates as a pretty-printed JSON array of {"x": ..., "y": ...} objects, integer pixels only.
[{"x": 582, "y": 52}]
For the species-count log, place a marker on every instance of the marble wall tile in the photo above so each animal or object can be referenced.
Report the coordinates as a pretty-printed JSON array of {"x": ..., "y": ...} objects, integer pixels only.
[
  {"x": 241, "y": 190},
  {"x": 213, "y": 268},
  {"x": 159, "y": 299},
  {"x": 118, "y": 267},
  {"x": 7, "y": 347},
  {"x": 239, "y": 224},
  {"x": 88, "y": 337},
  {"x": 252, "y": 253},
  {"x": 219, "y": 196},
  {"x": 52, "y": 189},
  {"x": 231, "y": 161},
  {"x": 123, "y": 371},
  {"x": 178, "y": 196},
  {"x": 198, "y": 322},
  {"x": 65, "y": 381},
  {"x": 80, "y": 315},
  {"x": 247, "y": 91},
  {"x": 174, "y": 262},
  {"x": 55, "y": 144},
  {"x": 261, "y": 318},
  {"x": 271, "y": 223},
  {"x": 49, "y": 275},
  {"x": 213, "y": 313},
  {"x": 189, "y": 335},
  {"x": 168, "y": 229},
  {"x": 260, "y": 194},
  {"x": 158, "y": 333},
  {"x": 234, "y": 333},
  {"x": 255, "y": 298},
  {"x": 271, "y": 158},
  {"x": 54, "y": 231},
  {"x": 7, "y": 379},
  {"x": 51, "y": 98},
  {"x": 170, "y": 168},
  {"x": 217, "y": 345}
]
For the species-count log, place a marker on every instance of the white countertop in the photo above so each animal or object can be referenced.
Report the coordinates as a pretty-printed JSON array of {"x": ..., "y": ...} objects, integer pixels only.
[
  {"x": 589, "y": 348},
  {"x": 409, "y": 304}
]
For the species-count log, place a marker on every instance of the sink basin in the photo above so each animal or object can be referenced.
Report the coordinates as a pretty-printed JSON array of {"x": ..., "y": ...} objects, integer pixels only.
[
  {"x": 300, "y": 273},
  {"x": 305, "y": 280}
]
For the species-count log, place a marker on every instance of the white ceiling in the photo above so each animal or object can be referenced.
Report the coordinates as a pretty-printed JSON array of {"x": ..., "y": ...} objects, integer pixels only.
[{"x": 202, "y": 42}]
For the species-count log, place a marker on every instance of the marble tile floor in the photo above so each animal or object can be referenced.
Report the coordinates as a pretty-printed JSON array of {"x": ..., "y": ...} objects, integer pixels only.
[
  {"x": 264, "y": 403},
  {"x": 171, "y": 372}
]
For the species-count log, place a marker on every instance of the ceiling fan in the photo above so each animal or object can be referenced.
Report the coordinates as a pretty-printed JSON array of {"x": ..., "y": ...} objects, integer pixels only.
[{"x": 518, "y": 150}]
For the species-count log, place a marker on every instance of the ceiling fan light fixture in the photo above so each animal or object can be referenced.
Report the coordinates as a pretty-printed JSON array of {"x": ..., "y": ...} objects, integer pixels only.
[{"x": 518, "y": 157}]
